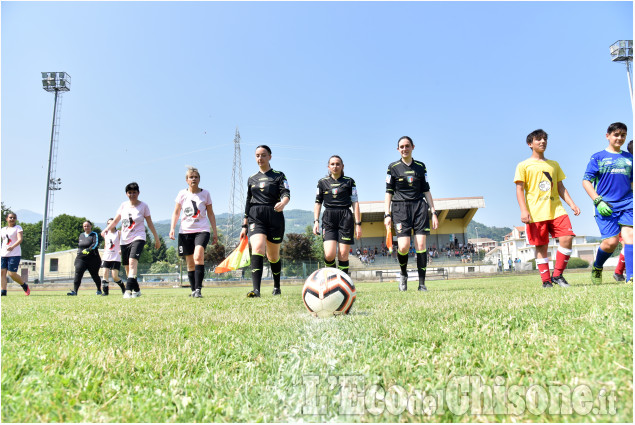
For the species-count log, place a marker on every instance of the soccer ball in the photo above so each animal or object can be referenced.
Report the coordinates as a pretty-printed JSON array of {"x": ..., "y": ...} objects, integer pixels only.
[{"x": 328, "y": 292}]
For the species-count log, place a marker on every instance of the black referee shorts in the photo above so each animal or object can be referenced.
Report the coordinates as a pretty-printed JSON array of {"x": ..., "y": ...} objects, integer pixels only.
[
  {"x": 338, "y": 224},
  {"x": 411, "y": 215},
  {"x": 188, "y": 241},
  {"x": 132, "y": 250},
  {"x": 263, "y": 219}
]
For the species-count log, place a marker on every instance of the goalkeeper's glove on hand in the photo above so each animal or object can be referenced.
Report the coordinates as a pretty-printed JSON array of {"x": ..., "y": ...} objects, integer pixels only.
[
  {"x": 603, "y": 207},
  {"x": 85, "y": 252}
]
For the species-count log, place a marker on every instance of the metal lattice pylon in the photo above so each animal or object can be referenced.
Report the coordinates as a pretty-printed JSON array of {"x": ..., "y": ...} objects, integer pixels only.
[
  {"x": 236, "y": 197},
  {"x": 54, "y": 183}
]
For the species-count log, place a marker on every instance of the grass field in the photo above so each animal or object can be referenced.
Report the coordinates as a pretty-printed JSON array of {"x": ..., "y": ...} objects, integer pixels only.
[{"x": 492, "y": 349}]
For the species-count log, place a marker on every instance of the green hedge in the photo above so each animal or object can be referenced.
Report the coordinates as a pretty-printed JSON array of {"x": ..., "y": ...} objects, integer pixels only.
[
  {"x": 574, "y": 263},
  {"x": 577, "y": 263}
]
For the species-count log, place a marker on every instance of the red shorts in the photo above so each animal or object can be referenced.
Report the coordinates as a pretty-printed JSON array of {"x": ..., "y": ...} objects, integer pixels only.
[{"x": 538, "y": 233}]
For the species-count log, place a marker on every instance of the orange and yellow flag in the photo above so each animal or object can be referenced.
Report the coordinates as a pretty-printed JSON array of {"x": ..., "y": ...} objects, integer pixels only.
[{"x": 239, "y": 258}]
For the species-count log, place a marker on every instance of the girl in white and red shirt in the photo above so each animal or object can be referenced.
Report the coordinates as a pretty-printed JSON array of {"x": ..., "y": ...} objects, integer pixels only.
[
  {"x": 111, "y": 259},
  {"x": 194, "y": 233},
  {"x": 133, "y": 214},
  {"x": 10, "y": 253}
]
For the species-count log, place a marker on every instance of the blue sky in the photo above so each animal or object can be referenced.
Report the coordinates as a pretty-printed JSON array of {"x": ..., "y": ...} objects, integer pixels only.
[{"x": 157, "y": 86}]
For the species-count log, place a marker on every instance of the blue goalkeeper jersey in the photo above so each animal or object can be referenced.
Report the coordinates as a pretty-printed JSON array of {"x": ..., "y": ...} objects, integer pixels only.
[{"x": 612, "y": 177}]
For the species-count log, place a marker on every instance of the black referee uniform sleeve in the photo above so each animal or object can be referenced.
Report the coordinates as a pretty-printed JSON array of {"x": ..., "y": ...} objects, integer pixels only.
[
  {"x": 425, "y": 187},
  {"x": 319, "y": 197},
  {"x": 248, "y": 200},
  {"x": 284, "y": 190},
  {"x": 390, "y": 182}
]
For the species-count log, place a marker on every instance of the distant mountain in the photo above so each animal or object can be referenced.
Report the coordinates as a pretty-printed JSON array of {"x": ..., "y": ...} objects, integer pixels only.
[
  {"x": 27, "y": 216},
  {"x": 494, "y": 233}
]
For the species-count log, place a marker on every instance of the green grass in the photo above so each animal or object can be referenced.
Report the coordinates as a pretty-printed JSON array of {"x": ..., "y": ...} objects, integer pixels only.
[{"x": 166, "y": 357}]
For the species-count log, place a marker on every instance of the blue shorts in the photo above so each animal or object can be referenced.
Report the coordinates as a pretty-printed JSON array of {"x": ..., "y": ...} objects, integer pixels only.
[
  {"x": 11, "y": 263},
  {"x": 611, "y": 225}
]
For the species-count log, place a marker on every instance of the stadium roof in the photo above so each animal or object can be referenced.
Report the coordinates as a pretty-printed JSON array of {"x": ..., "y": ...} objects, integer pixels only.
[{"x": 447, "y": 208}]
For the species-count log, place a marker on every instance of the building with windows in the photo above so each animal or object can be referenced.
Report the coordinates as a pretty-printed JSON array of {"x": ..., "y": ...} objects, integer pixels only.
[
  {"x": 516, "y": 246},
  {"x": 59, "y": 265},
  {"x": 486, "y": 244}
]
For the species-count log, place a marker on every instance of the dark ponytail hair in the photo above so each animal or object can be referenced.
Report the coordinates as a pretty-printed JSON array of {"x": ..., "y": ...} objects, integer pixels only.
[
  {"x": 408, "y": 139},
  {"x": 264, "y": 147}
]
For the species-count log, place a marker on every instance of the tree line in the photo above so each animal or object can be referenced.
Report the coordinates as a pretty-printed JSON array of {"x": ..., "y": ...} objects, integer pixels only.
[{"x": 64, "y": 231}]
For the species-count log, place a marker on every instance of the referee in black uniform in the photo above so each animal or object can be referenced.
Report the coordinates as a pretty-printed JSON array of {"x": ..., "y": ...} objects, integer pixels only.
[
  {"x": 87, "y": 258},
  {"x": 408, "y": 190},
  {"x": 338, "y": 193},
  {"x": 267, "y": 195}
]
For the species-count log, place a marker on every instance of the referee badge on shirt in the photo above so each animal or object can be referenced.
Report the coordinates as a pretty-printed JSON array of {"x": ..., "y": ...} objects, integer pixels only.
[
  {"x": 398, "y": 227},
  {"x": 410, "y": 179},
  {"x": 252, "y": 226},
  {"x": 334, "y": 191},
  {"x": 286, "y": 184},
  {"x": 262, "y": 185}
]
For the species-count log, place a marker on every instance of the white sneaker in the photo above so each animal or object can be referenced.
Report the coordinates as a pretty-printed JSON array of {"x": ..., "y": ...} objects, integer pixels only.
[
  {"x": 127, "y": 294},
  {"x": 136, "y": 294}
]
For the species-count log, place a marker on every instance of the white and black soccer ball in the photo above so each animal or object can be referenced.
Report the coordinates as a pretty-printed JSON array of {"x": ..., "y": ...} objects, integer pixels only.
[{"x": 328, "y": 292}]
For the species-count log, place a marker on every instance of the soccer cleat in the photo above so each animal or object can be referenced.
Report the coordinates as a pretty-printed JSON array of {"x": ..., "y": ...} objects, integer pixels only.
[
  {"x": 619, "y": 277},
  {"x": 27, "y": 290},
  {"x": 191, "y": 294},
  {"x": 3, "y": 293},
  {"x": 197, "y": 294},
  {"x": 560, "y": 280},
  {"x": 276, "y": 291},
  {"x": 127, "y": 294},
  {"x": 253, "y": 294},
  {"x": 403, "y": 283},
  {"x": 72, "y": 294},
  {"x": 136, "y": 294},
  {"x": 99, "y": 293},
  {"x": 422, "y": 287},
  {"x": 596, "y": 275},
  {"x": 547, "y": 285},
  {"x": 105, "y": 289},
  {"x": 630, "y": 281}
]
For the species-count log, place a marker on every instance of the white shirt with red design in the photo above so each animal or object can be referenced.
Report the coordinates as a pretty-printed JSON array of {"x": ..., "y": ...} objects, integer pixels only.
[
  {"x": 9, "y": 236},
  {"x": 112, "y": 247},
  {"x": 133, "y": 222},
  {"x": 194, "y": 211}
]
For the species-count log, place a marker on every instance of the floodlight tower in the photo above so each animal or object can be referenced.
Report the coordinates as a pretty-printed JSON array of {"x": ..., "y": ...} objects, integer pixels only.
[
  {"x": 55, "y": 82},
  {"x": 236, "y": 197},
  {"x": 622, "y": 51}
]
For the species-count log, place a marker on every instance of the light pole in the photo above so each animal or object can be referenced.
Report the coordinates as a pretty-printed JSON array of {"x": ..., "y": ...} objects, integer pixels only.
[
  {"x": 622, "y": 51},
  {"x": 55, "y": 82}
]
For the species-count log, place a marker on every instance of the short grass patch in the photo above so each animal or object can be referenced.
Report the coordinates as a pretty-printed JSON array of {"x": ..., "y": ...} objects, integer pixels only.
[{"x": 491, "y": 349}]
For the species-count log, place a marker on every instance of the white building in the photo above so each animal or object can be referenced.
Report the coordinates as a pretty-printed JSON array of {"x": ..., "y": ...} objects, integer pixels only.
[
  {"x": 485, "y": 244},
  {"x": 516, "y": 245}
]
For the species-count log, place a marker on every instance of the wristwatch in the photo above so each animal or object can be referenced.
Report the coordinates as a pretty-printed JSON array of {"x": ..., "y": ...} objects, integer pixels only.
[
  {"x": 359, "y": 223},
  {"x": 387, "y": 215}
]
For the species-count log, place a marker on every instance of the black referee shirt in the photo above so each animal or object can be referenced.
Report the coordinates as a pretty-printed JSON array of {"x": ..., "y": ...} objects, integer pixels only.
[
  {"x": 407, "y": 182},
  {"x": 340, "y": 193},
  {"x": 266, "y": 189}
]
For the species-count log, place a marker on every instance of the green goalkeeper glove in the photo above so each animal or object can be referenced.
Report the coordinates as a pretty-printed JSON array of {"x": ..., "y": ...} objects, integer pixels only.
[
  {"x": 603, "y": 207},
  {"x": 85, "y": 252}
]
